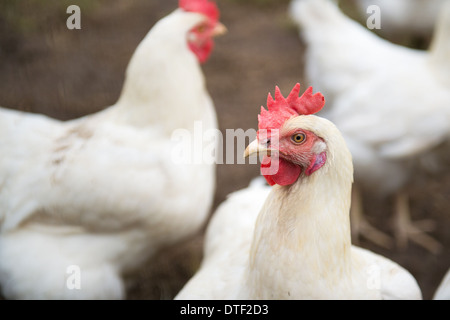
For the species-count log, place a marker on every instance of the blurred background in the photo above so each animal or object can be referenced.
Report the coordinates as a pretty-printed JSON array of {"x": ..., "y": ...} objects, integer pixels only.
[{"x": 46, "y": 68}]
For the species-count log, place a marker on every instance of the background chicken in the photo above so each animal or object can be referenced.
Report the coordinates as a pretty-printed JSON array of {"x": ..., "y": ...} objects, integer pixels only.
[
  {"x": 70, "y": 73},
  {"x": 443, "y": 291},
  {"x": 393, "y": 122},
  {"x": 298, "y": 246},
  {"x": 104, "y": 192}
]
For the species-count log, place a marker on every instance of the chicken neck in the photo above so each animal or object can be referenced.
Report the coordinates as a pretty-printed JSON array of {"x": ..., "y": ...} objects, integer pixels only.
[{"x": 306, "y": 227}]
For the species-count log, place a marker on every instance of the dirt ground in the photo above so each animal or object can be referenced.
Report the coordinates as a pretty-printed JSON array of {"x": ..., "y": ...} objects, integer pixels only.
[{"x": 46, "y": 68}]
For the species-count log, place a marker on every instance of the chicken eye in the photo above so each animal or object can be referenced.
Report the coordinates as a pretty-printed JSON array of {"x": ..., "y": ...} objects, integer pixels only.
[
  {"x": 201, "y": 28},
  {"x": 298, "y": 138}
]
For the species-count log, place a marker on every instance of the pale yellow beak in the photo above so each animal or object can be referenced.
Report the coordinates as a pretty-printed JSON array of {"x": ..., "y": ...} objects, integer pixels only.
[
  {"x": 255, "y": 147},
  {"x": 219, "y": 30}
]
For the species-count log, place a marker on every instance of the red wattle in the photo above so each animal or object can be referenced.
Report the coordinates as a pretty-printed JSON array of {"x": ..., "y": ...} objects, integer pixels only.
[
  {"x": 286, "y": 174},
  {"x": 202, "y": 51}
]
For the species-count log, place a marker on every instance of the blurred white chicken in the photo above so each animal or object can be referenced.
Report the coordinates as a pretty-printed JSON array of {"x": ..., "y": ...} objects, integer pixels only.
[
  {"x": 400, "y": 19},
  {"x": 443, "y": 290},
  {"x": 84, "y": 202},
  {"x": 391, "y": 103},
  {"x": 293, "y": 241},
  {"x": 227, "y": 244}
]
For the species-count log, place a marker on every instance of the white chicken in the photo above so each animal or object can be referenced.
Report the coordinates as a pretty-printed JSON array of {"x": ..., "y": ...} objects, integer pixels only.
[
  {"x": 293, "y": 242},
  {"x": 391, "y": 103},
  {"x": 443, "y": 290},
  {"x": 404, "y": 18},
  {"x": 85, "y": 202}
]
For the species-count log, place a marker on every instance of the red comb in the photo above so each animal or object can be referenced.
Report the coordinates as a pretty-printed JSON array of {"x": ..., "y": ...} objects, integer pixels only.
[
  {"x": 208, "y": 8},
  {"x": 280, "y": 109}
]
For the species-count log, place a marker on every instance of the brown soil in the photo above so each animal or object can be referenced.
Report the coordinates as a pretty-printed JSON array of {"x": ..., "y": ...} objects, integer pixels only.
[{"x": 48, "y": 69}]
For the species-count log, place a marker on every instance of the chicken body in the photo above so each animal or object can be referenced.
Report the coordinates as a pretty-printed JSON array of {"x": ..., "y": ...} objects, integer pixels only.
[
  {"x": 226, "y": 247},
  {"x": 106, "y": 191},
  {"x": 391, "y": 103},
  {"x": 443, "y": 290},
  {"x": 293, "y": 242}
]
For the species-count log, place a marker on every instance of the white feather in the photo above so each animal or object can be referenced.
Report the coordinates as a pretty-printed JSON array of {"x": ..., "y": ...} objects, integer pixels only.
[{"x": 443, "y": 290}]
